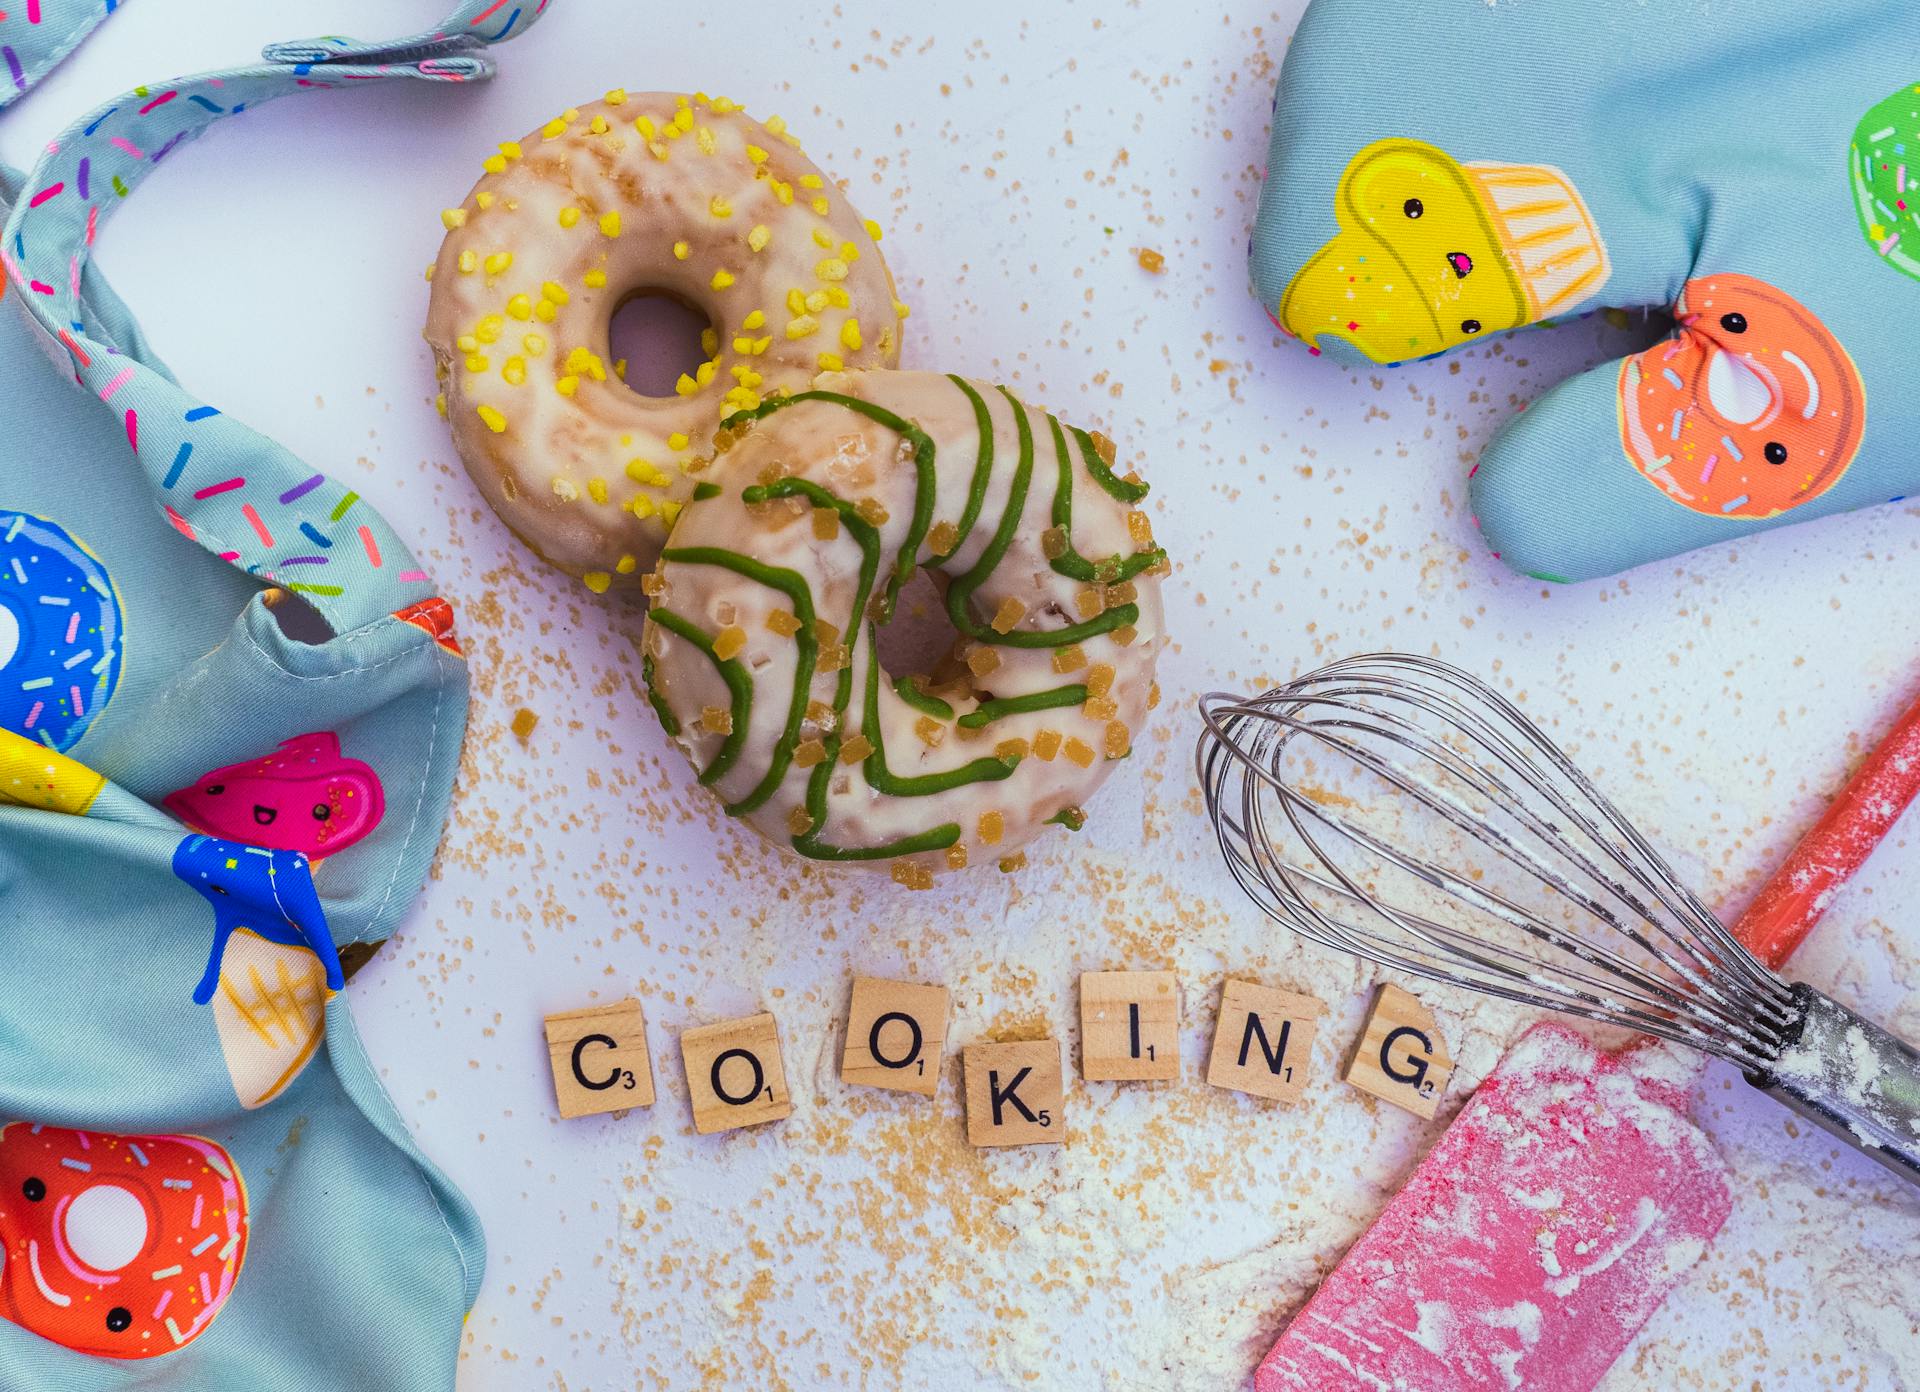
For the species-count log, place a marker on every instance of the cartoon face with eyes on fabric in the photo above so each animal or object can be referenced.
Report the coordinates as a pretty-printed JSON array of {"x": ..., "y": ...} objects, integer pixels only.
[
  {"x": 306, "y": 796},
  {"x": 1499, "y": 168}
]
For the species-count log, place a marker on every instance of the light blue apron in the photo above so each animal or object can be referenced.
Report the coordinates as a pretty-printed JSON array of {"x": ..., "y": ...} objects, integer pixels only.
[{"x": 202, "y": 1184}]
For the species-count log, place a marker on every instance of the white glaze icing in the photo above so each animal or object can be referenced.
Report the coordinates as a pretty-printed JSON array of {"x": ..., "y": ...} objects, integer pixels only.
[
  {"x": 646, "y": 192},
  {"x": 869, "y": 465}
]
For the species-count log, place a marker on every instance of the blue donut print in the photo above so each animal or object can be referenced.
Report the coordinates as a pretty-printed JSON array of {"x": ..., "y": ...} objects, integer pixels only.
[{"x": 60, "y": 632}]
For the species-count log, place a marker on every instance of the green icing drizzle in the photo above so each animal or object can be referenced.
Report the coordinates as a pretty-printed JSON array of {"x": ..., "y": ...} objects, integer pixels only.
[
  {"x": 990, "y": 711},
  {"x": 795, "y": 589},
  {"x": 1115, "y": 486},
  {"x": 882, "y": 779},
  {"x": 904, "y": 688},
  {"x": 704, "y": 491},
  {"x": 1071, "y": 563},
  {"x": 1072, "y": 818},
  {"x": 739, "y": 687},
  {"x": 982, "y": 471},
  {"x": 668, "y": 720},
  {"x": 962, "y": 589}
]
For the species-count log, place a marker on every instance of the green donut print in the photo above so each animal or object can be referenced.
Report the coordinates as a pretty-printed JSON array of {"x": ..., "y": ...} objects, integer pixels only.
[{"x": 1883, "y": 190}]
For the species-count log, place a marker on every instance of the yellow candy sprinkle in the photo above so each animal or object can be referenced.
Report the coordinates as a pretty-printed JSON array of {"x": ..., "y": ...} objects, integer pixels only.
[
  {"x": 546, "y": 311},
  {"x": 484, "y": 199},
  {"x": 569, "y": 216},
  {"x": 511, "y": 149},
  {"x": 832, "y": 268},
  {"x": 598, "y": 125},
  {"x": 756, "y": 154},
  {"x": 676, "y": 441},
  {"x": 597, "y": 581},
  {"x": 755, "y": 320},
  {"x": 488, "y": 329},
  {"x": 704, "y": 139},
  {"x": 818, "y": 301},
  {"x": 550, "y": 290},
  {"x": 554, "y": 128},
  {"x": 440, "y": 404},
  {"x": 656, "y": 149},
  {"x": 681, "y": 251},
  {"x": 670, "y": 510},
  {"x": 721, "y": 279},
  {"x": 873, "y": 229},
  {"x": 820, "y": 205},
  {"x": 617, "y": 97},
  {"x": 467, "y": 343},
  {"x": 515, "y": 371},
  {"x": 850, "y": 335},
  {"x": 520, "y": 307},
  {"x": 812, "y": 181},
  {"x": 626, "y": 565},
  {"x": 802, "y": 326},
  {"x": 823, "y": 238},
  {"x": 642, "y": 506},
  {"x": 831, "y": 362},
  {"x": 758, "y": 238},
  {"x": 704, "y": 373},
  {"x": 498, "y": 262},
  {"x": 900, "y": 310},
  {"x": 469, "y": 259},
  {"x": 597, "y": 489},
  {"x": 783, "y": 192},
  {"x": 494, "y": 164},
  {"x": 610, "y": 223},
  {"x": 451, "y": 218},
  {"x": 495, "y": 422},
  {"x": 723, "y": 105},
  {"x": 644, "y": 124},
  {"x": 535, "y": 344},
  {"x": 476, "y": 362},
  {"x": 760, "y": 345},
  {"x": 593, "y": 280},
  {"x": 709, "y": 341},
  {"x": 775, "y": 124},
  {"x": 796, "y": 301},
  {"x": 567, "y": 386},
  {"x": 686, "y": 386},
  {"x": 719, "y": 207}
]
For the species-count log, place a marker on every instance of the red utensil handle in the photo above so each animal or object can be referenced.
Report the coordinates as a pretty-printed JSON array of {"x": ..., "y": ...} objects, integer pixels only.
[{"x": 1866, "y": 808}]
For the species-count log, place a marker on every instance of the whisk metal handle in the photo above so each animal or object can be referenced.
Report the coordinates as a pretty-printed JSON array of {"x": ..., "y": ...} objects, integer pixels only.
[{"x": 1849, "y": 1077}]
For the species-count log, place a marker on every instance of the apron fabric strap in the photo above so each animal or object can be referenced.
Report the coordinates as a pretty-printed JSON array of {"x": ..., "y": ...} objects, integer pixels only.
[
  {"x": 37, "y": 34},
  {"x": 237, "y": 493}
]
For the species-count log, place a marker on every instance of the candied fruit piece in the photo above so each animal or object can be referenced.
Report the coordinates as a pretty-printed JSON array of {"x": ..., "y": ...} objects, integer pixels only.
[
  {"x": 1125, "y": 635},
  {"x": 912, "y": 874},
  {"x": 1140, "y": 528},
  {"x": 826, "y": 524},
  {"x": 1153, "y": 695},
  {"x": 1104, "y": 447},
  {"x": 1069, "y": 659},
  {"x": 716, "y": 720},
  {"x": 1100, "y": 708},
  {"x": 834, "y": 658},
  {"x": 808, "y": 753},
  {"x": 1089, "y": 604},
  {"x": 993, "y": 825},
  {"x": 799, "y": 821},
  {"x": 729, "y": 641},
  {"x": 783, "y": 623},
  {"x": 1151, "y": 261},
  {"x": 1079, "y": 751},
  {"x": 942, "y": 538},
  {"x": 1119, "y": 739},
  {"x": 1007, "y": 617},
  {"x": 1009, "y": 864},
  {"x": 1123, "y": 593},
  {"x": 983, "y": 661},
  {"x": 1046, "y": 744},
  {"x": 956, "y": 857},
  {"x": 871, "y": 512},
  {"x": 1099, "y": 679},
  {"x": 1054, "y": 543},
  {"x": 1010, "y": 751},
  {"x": 825, "y": 634},
  {"x": 523, "y": 722},
  {"x": 653, "y": 585},
  {"x": 932, "y": 733},
  {"x": 855, "y": 749}
]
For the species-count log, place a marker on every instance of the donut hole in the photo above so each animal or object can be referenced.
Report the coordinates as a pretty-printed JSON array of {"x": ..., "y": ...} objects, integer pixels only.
[
  {"x": 921, "y": 640},
  {"x": 659, "y": 335}
]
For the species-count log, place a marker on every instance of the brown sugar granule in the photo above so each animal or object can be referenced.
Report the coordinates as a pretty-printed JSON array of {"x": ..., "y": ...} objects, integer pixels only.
[
  {"x": 1152, "y": 262},
  {"x": 523, "y": 722}
]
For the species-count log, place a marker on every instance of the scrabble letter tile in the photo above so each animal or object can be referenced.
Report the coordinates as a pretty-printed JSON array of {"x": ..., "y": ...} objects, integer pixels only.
[
  {"x": 600, "y": 1060},
  {"x": 1129, "y": 1025},
  {"x": 1401, "y": 1057},
  {"x": 895, "y": 1033},
  {"x": 1014, "y": 1092},
  {"x": 734, "y": 1074},
  {"x": 1263, "y": 1042}
]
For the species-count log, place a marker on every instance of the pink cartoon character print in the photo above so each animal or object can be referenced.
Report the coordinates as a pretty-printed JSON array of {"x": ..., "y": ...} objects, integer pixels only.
[{"x": 305, "y": 796}]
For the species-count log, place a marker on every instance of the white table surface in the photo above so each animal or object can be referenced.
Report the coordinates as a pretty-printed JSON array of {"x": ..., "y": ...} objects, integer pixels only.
[{"x": 1016, "y": 154}]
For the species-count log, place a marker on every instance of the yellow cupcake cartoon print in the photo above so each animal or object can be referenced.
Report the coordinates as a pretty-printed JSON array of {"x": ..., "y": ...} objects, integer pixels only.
[{"x": 1432, "y": 252}]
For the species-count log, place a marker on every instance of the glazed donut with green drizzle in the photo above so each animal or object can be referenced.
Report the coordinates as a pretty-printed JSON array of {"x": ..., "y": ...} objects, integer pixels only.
[{"x": 761, "y": 649}]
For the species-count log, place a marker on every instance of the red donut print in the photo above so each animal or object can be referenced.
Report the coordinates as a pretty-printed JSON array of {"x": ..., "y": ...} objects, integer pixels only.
[
  {"x": 1750, "y": 409},
  {"x": 117, "y": 1246}
]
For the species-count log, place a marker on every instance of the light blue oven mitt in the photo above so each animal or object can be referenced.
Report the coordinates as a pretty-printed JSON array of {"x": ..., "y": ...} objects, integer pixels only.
[
  {"x": 1443, "y": 170},
  {"x": 202, "y": 1184}
]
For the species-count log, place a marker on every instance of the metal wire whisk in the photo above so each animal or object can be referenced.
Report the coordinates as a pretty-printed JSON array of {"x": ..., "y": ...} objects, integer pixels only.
[{"x": 1395, "y": 808}]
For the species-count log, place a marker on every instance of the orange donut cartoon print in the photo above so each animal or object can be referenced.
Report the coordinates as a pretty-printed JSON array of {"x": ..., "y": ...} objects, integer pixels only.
[{"x": 1751, "y": 409}]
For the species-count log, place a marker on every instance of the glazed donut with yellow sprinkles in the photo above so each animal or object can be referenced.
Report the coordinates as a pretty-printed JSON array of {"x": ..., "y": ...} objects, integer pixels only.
[{"x": 657, "y": 193}]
